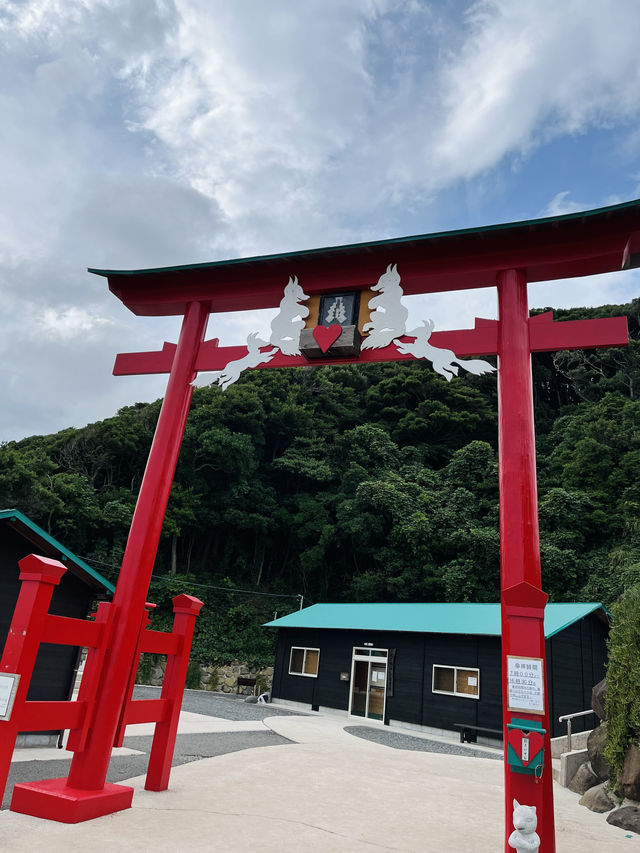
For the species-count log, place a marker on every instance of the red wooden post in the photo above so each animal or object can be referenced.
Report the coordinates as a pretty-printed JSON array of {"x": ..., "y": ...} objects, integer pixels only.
[
  {"x": 186, "y": 608},
  {"x": 89, "y": 768},
  {"x": 122, "y": 722},
  {"x": 86, "y": 780},
  {"x": 91, "y": 678},
  {"x": 39, "y": 576},
  {"x": 522, "y": 634}
]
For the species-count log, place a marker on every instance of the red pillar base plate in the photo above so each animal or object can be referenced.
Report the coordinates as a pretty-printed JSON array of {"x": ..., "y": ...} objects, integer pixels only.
[{"x": 53, "y": 799}]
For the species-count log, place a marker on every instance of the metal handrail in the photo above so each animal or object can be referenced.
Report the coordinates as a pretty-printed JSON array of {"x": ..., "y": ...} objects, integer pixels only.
[{"x": 568, "y": 718}]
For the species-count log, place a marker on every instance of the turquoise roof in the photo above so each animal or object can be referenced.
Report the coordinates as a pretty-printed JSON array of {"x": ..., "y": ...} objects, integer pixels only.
[
  {"x": 425, "y": 618},
  {"x": 39, "y": 536}
]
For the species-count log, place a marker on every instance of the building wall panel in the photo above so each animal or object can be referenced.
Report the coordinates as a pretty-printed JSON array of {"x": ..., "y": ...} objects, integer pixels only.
[
  {"x": 54, "y": 670},
  {"x": 575, "y": 658}
]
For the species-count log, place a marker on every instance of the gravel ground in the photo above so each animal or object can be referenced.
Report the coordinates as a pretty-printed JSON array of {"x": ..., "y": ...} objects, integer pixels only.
[
  {"x": 228, "y": 706},
  {"x": 418, "y": 744}
]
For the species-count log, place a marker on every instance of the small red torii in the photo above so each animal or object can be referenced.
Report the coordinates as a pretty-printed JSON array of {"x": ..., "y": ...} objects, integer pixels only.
[{"x": 506, "y": 257}]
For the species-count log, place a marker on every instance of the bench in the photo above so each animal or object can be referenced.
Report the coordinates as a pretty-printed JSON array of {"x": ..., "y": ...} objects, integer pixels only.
[
  {"x": 245, "y": 682},
  {"x": 469, "y": 733}
]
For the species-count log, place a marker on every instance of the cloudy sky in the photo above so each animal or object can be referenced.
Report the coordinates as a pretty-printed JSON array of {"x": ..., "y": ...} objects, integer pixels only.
[{"x": 141, "y": 134}]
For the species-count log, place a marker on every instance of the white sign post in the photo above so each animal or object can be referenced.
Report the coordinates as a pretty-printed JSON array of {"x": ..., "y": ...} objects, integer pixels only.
[
  {"x": 8, "y": 689},
  {"x": 525, "y": 683}
]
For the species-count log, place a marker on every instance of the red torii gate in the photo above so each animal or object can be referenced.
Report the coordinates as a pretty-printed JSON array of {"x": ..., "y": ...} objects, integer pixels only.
[{"x": 507, "y": 257}]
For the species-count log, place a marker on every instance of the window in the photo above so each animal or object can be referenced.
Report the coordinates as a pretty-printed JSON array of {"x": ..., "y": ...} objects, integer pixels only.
[
  {"x": 370, "y": 653},
  {"x": 456, "y": 680},
  {"x": 304, "y": 662}
]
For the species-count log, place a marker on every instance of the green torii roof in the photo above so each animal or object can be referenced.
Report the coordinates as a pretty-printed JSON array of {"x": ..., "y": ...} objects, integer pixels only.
[
  {"x": 41, "y": 539},
  {"x": 426, "y": 618},
  {"x": 586, "y": 242}
]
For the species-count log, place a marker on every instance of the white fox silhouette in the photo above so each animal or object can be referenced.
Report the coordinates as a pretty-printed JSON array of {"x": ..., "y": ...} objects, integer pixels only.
[
  {"x": 287, "y": 325},
  {"x": 285, "y": 335},
  {"x": 388, "y": 315},
  {"x": 253, "y": 358},
  {"x": 444, "y": 361}
]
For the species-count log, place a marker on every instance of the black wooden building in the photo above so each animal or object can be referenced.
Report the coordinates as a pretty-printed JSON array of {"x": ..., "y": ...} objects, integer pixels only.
[
  {"x": 54, "y": 672},
  {"x": 430, "y": 665}
]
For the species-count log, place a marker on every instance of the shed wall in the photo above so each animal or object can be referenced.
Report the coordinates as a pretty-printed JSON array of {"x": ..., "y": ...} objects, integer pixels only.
[
  {"x": 412, "y": 700},
  {"x": 575, "y": 662},
  {"x": 55, "y": 665}
]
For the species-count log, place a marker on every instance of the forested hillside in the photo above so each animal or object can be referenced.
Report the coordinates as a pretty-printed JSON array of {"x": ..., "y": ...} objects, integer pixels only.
[{"x": 374, "y": 483}]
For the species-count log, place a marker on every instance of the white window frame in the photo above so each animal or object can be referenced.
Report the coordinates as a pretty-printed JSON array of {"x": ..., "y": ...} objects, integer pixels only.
[
  {"x": 455, "y": 669},
  {"x": 304, "y": 649},
  {"x": 364, "y": 654}
]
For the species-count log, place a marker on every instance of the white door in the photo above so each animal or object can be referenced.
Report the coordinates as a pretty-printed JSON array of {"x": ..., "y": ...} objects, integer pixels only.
[{"x": 368, "y": 683}]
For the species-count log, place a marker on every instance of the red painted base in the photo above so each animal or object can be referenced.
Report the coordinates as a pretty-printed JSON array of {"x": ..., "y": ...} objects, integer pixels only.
[{"x": 52, "y": 799}]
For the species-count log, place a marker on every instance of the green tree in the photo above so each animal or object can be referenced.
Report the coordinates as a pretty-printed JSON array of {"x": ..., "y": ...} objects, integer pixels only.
[{"x": 623, "y": 679}]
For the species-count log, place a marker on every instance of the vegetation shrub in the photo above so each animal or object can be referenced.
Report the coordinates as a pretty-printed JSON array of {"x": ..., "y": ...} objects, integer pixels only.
[
  {"x": 622, "y": 702},
  {"x": 262, "y": 684},
  {"x": 192, "y": 681},
  {"x": 145, "y": 665}
]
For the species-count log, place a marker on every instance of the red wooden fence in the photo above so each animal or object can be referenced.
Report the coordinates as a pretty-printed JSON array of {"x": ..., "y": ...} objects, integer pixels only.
[{"x": 72, "y": 799}]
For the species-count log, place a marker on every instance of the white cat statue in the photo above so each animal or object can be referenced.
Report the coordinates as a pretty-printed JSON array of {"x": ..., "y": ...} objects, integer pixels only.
[{"x": 524, "y": 838}]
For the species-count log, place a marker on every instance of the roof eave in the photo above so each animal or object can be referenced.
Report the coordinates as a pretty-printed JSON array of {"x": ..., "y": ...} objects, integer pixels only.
[
  {"x": 76, "y": 564},
  {"x": 589, "y": 608},
  {"x": 576, "y": 244}
]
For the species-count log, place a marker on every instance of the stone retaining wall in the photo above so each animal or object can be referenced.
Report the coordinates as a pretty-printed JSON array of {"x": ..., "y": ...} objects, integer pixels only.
[{"x": 223, "y": 677}]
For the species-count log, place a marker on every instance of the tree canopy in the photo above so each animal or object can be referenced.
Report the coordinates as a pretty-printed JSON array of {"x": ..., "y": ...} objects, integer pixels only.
[{"x": 353, "y": 483}]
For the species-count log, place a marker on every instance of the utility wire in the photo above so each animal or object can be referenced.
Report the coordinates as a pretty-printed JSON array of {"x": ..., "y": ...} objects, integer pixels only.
[
  {"x": 115, "y": 570},
  {"x": 230, "y": 589}
]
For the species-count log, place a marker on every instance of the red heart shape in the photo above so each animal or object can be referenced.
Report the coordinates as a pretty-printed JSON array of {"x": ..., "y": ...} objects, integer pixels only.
[
  {"x": 536, "y": 742},
  {"x": 327, "y": 335}
]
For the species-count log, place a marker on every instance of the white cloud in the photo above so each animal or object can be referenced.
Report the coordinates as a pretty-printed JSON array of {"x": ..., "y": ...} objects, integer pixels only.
[
  {"x": 561, "y": 204},
  {"x": 162, "y": 132},
  {"x": 299, "y": 132},
  {"x": 70, "y": 323},
  {"x": 529, "y": 72},
  {"x": 613, "y": 288}
]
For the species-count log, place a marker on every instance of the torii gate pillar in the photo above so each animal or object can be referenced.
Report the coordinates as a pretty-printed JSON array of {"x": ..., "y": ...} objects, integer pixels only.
[{"x": 519, "y": 535}]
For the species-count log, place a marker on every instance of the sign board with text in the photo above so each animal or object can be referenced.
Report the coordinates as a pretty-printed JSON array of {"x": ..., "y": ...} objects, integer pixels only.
[
  {"x": 8, "y": 687},
  {"x": 525, "y": 684}
]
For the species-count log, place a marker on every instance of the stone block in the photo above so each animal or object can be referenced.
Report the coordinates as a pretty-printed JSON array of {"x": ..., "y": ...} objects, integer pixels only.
[
  {"x": 570, "y": 763},
  {"x": 34, "y": 739},
  {"x": 583, "y": 779},
  {"x": 559, "y": 745},
  {"x": 595, "y": 747},
  {"x": 630, "y": 778},
  {"x": 627, "y": 817},
  {"x": 598, "y": 696},
  {"x": 598, "y": 798}
]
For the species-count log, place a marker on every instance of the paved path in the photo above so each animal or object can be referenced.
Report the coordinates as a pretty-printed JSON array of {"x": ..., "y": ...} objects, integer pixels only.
[
  {"x": 223, "y": 724},
  {"x": 319, "y": 789}
]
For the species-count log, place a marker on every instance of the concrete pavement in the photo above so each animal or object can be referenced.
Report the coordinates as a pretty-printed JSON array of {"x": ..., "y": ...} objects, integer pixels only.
[{"x": 326, "y": 790}]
